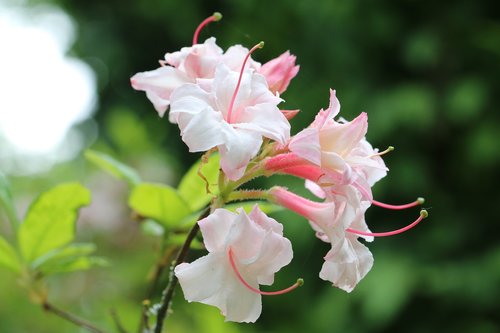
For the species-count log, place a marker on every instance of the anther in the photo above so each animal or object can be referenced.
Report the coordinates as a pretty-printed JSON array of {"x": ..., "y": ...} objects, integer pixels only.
[
  {"x": 388, "y": 150},
  {"x": 214, "y": 18},
  {"x": 417, "y": 202},
  {"x": 231, "y": 105},
  {"x": 297, "y": 284},
  {"x": 423, "y": 215}
]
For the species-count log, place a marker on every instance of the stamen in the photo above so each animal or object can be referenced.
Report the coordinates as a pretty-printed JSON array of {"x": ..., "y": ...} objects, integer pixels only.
[
  {"x": 417, "y": 202},
  {"x": 299, "y": 282},
  {"x": 214, "y": 18},
  {"x": 231, "y": 105},
  {"x": 423, "y": 215},
  {"x": 388, "y": 150}
]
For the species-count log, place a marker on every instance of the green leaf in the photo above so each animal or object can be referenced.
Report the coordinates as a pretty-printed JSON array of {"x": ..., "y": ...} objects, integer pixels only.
[
  {"x": 71, "y": 258},
  {"x": 192, "y": 187},
  {"x": 180, "y": 239},
  {"x": 6, "y": 201},
  {"x": 76, "y": 264},
  {"x": 63, "y": 255},
  {"x": 50, "y": 222},
  {"x": 8, "y": 256},
  {"x": 112, "y": 166},
  {"x": 152, "y": 228},
  {"x": 159, "y": 202}
]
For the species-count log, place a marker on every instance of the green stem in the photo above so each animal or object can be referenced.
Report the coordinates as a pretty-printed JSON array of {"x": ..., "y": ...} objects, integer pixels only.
[
  {"x": 168, "y": 293},
  {"x": 71, "y": 318},
  {"x": 247, "y": 195}
]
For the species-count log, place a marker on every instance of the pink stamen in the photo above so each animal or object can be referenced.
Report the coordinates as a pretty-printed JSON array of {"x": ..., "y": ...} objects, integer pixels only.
[
  {"x": 423, "y": 215},
  {"x": 214, "y": 18},
  {"x": 417, "y": 202},
  {"x": 299, "y": 282},
  {"x": 231, "y": 105}
]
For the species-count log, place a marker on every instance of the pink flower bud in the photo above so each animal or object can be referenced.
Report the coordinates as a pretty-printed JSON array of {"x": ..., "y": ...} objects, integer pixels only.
[{"x": 279, "y": 72}]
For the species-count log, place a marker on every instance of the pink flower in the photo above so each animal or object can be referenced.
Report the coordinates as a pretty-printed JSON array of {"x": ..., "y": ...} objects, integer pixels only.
[
  {"x": 197, "y": 61},
  {"x": 328, "y": 143},
  {"x": 348, "y": 261},
  {"x": 347, "y": 264},
  {"x": 338, "y": 149},
  {"x": 210, "y": 119},
  {"x": 279, "y": 72},
  {"x": 254, "y": 243},
  {"x": 194, "y": 64}
]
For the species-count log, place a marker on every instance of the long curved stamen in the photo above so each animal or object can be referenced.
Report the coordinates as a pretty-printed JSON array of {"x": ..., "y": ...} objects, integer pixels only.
[
  {"x": 214, "y": 18},
  {"x": 297, "y": 284},
  {"x": 423, "y": 215},
  {"x": 388, "y": 150},
  {"x": 417, "y": 202},
  {"x": 231, "y": 105}
]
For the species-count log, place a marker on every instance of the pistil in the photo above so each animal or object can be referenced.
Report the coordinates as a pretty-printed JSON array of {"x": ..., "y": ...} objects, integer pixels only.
[
  {"x": 214, "y": 18},
  {"x": 231, "y": 104},
  {"x": 297, "y": 284},
  {"x": 423, "y": 215}
]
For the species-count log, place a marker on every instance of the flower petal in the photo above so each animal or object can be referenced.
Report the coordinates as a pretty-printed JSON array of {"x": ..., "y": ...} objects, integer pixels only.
[
  {"x": 341, "y": 138},
  {"x": 215, "y": 229},
  {"x": 306, "y": 145},
  {"x": 347, "y": 265},
  {"x": 159, "y": 85},
  {"x": 265, "y": 119},
  {"x": 211, "y": 280},
  {"x": 239, "y": 147},
  {"x": 201, "y": 126}
]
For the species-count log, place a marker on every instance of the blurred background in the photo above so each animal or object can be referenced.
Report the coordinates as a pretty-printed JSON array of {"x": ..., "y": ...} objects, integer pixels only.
[{"x": 426, "y": 72}]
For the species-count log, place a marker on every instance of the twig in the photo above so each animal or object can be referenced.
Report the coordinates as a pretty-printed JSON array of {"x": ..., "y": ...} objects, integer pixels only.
[
  {"x": 71, "y": 318},
  {"x": 145, "y": 316},
  {"x": 158, "y": 271},
  {"x": 168, "y": 293},
  {"x": 116, "y": 320}
]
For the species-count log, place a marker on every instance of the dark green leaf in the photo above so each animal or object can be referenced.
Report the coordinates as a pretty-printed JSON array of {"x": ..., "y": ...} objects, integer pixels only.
[
  {"x": 112, "y": 166},
  {"x": 159, "y": 202},
  {"x": 50, "y": 222}
]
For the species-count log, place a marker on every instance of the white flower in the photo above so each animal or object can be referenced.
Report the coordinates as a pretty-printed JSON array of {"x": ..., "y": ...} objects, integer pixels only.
[
  {"x": 258, "y": 249},
  {"x": 206, "y": 119}
]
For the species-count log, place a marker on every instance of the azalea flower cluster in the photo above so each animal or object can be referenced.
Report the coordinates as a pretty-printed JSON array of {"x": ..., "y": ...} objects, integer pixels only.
[{"x": 230, "y": 103}]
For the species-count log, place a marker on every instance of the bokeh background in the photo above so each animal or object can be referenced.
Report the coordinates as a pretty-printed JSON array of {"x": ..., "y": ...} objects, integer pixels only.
[{"x": 426, "y": 72}]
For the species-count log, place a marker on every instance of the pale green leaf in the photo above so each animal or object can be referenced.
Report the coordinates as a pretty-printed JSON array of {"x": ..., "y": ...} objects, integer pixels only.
[
  {"x": 63, "y": 255},
  {"x": 8, "y": 256},
  {"x": 50, "y": 221},
  {"x": 180, "y": 239},
  {"x": 76, "y": 264},
  {"x": 152, "y": 228},
  {"x": 192, "y": 187},
  {"x": 114, "y": 167},
  {"x": 159, "y": 202},
  {"x": 6, "y": 201}
]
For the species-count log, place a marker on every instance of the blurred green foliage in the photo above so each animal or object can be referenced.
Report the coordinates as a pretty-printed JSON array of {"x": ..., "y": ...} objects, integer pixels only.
[{"x": 426, "y": 72}]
